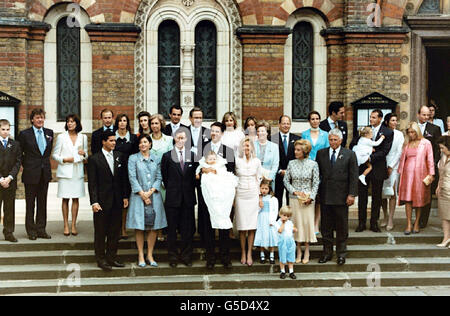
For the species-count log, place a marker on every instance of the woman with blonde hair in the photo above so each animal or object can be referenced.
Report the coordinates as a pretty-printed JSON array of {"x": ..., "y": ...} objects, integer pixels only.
[
  {"x": 302, "y": 181},
  {"x": 249, "y": 172},
  {"x": 417, "y": 172},
  {"x": 233, "y": 135}
]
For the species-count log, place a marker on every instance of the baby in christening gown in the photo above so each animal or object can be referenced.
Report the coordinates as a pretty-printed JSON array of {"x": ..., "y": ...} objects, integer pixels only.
[{"x": 218, "y": 190}]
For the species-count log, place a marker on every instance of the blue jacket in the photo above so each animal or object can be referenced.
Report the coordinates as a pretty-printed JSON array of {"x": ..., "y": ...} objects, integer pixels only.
[
  {"x": 271, "y": 159},
  {"x": 322, "y": 142}
]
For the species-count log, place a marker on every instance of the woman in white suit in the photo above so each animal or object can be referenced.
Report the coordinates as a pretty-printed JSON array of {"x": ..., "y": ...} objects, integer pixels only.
[
  {"x": 390, "y": 186},
  {"x": 267, "y": 152},
  {"x": 70, "y": 152}
]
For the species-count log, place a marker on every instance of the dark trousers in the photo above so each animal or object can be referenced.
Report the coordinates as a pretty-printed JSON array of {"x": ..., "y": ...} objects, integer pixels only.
[
  {"x": 107, "y": 224},
  {"x": 33, "y": 193},
  {"x": 183, "y": 219},
  {"x": 377, "y": 189},
  {"x": 280, "y": 190},
  {"x": 7, "y": 198},
  {"x": 334, "y": 217}
]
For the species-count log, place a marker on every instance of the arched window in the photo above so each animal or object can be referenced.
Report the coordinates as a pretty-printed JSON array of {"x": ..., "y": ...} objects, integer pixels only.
[
  {"x": 168, "y": 66},
  {"x": 302, "y": 72},
  {"x": 430, "y": 7},
  {"x": 68, "y": 63},
  {"x": 206, "y": 68}
]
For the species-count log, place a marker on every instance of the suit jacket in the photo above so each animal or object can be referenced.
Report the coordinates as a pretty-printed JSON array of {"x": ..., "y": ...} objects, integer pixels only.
[
  {"x": 224, "y": 152},
  {"x": 64, "y": 148},
  {"x": 433, "y": 133},
  {"x": 203, "y": 138},
  {"x": 107, "y": 189},
  {"x": 10, "y": 160},
  {"x": 168, "y": 129},
  {"x": 179, "y": 184},
  {"x": 33, "y": 161},
  {"x": 342, "y": 125},
  {"x": 284, "y": 160},
  {"x": 340, "y": 181},
  {"x": 96, "y": 143},
  {"x": 378, "y": 158}
]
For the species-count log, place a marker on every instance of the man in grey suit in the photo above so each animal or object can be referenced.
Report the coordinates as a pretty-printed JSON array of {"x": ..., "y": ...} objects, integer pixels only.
[{"x": 338, "y": 189}]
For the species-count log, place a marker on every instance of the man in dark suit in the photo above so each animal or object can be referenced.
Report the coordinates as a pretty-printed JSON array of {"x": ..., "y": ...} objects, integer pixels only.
[
  {"x": 198, "y": 136},
  {"x": 335, "y": 119},
  {"x": 178, "y": 172},
  {"x": 285, "y": 141},
  {"x": 107, "y": 117},
  {"x": 338, "y": 189},
  {"x": 36, "y": 144},
  {"x": 107, "y": 174},
  {"x": 204, "y": 221},
  {"x": 10, "y": 160},
  {"x": 176, "y": 114},
  {"x": 378, "y": 174},
  {"x": 432, "y": 133}
]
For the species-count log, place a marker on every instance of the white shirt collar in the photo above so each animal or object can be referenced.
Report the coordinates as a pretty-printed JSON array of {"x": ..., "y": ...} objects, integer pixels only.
[
  {"x": 216, "y": 146},
  {"x": 282, "y": 134},
  {"x": 2, "y": 139},
  {"x": 330, "y": 121},
  {"x": 107, "y": 154},
  {"x": 176, "y": 126},
  {"x": 338, "y": 150}
]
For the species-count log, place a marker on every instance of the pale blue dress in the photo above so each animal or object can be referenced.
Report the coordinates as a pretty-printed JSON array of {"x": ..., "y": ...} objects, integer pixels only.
[
  {"x": 266, "y": 235},
  {"x": 145, "y": 174}
]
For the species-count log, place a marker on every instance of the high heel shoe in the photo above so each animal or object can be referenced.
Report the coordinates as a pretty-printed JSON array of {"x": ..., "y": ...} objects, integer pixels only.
[{"x": 444, "y": 244}]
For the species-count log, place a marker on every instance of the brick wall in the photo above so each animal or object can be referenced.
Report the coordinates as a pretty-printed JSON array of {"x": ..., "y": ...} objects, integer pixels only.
[{"x": 13, "y": 8}]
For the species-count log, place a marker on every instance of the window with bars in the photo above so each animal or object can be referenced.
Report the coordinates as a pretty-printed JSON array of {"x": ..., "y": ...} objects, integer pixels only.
[
  {"x": 206, "y": 68},
  {"x": 168, "y": 66},
  {"x": 68, "y": 73},
  {"x": 303, "y": 70}
]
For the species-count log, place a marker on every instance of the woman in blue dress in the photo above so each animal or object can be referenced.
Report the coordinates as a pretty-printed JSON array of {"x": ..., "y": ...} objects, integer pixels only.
[
  {"x": 319, "y": 140},
  {"x": 146, "y": 212},
  {"x": 268, "y": 152}
]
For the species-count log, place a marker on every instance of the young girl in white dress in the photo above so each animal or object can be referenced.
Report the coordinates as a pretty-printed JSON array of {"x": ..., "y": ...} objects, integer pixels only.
[
  {"x": 364, "y": 150},
  {"x": 218, "y": 189},
  {"x": 286, "y": 242},
  {"x": 266, "y": 233}
]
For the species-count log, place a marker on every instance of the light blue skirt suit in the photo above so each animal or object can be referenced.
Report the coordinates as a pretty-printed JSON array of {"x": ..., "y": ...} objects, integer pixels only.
[
  {"x": 145, "y": 174},
  {"x": 322, "y": 142},
  {"x": 271, "y": 159}
]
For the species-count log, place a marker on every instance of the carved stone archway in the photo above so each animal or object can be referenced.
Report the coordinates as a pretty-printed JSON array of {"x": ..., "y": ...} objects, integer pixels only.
[{"x": 235, "y": 21}]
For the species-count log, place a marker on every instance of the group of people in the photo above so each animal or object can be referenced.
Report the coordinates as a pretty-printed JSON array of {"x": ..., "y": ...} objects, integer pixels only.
[{"x": 151, "y": 182}]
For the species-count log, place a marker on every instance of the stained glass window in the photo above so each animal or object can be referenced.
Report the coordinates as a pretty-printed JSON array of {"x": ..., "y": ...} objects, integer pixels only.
[
  {"x": 168, "y": 66},
  {"x": 303, "y": 52},
  {"x": 430, "y": 7},
  {"x": 68, "y": 64},
  {"x": 205, "y": 68}
]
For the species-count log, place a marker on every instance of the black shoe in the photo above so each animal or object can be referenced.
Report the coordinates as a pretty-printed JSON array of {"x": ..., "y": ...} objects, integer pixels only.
[
  {"x": 283, "y": 275},
  {"x": 210, "y": 265},
  {"x": 10, "y": 238},
  {"x": 32, "y": 237},
  {"x": 227, "y": 265},
  {"x": 325, "y": 259},
  {"x": 187, "y": 263},
  {"x": 44, "y": 236},
  {"x": 292, "y": 276},
  {"x": 116, "y": 264},
  {"x": 361, "y": 228},
  {"x": 272, "y": 261},
  {"x": 262, "y": 261},
  {"x": 341, "y": 261},
  {"x": 173, "y": 264},
  {"x": 104, "y": 266},
  {"x": 375, "y": 228}
]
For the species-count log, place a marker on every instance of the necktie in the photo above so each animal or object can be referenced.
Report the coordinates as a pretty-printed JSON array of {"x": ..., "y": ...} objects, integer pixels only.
[
  {"x": 333, "y": 125},
  {"x": 285, "y": 144},
  {"x": 111, "y": 162},
  {"x": 41, "y": 142},
  {"x": 374, "y": 136},
  {"x": 333, "y": 158},
  {"x": 181, "y": 161},
  {"x": 5, "y": 143}
]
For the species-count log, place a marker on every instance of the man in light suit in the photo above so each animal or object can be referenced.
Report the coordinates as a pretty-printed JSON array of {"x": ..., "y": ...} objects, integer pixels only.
[
  {"x": 285, "y": 141},
  {"x": 10, "y": 160},
  {"x": 377, "y": 175},
  {"x": 108, "y": 180},
  {"x": 36, "y": 144},
  {"x": 432, "y": 133},
  {"x": 338, "y": 189},
  {"x": 204, "y": 221},
  {"x": 178, "y": 172},
  {"x": 336, "y": 111}
]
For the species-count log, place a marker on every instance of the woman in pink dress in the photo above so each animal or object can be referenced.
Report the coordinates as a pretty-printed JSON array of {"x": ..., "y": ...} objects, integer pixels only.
[{"x": 416, "y": 164}]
